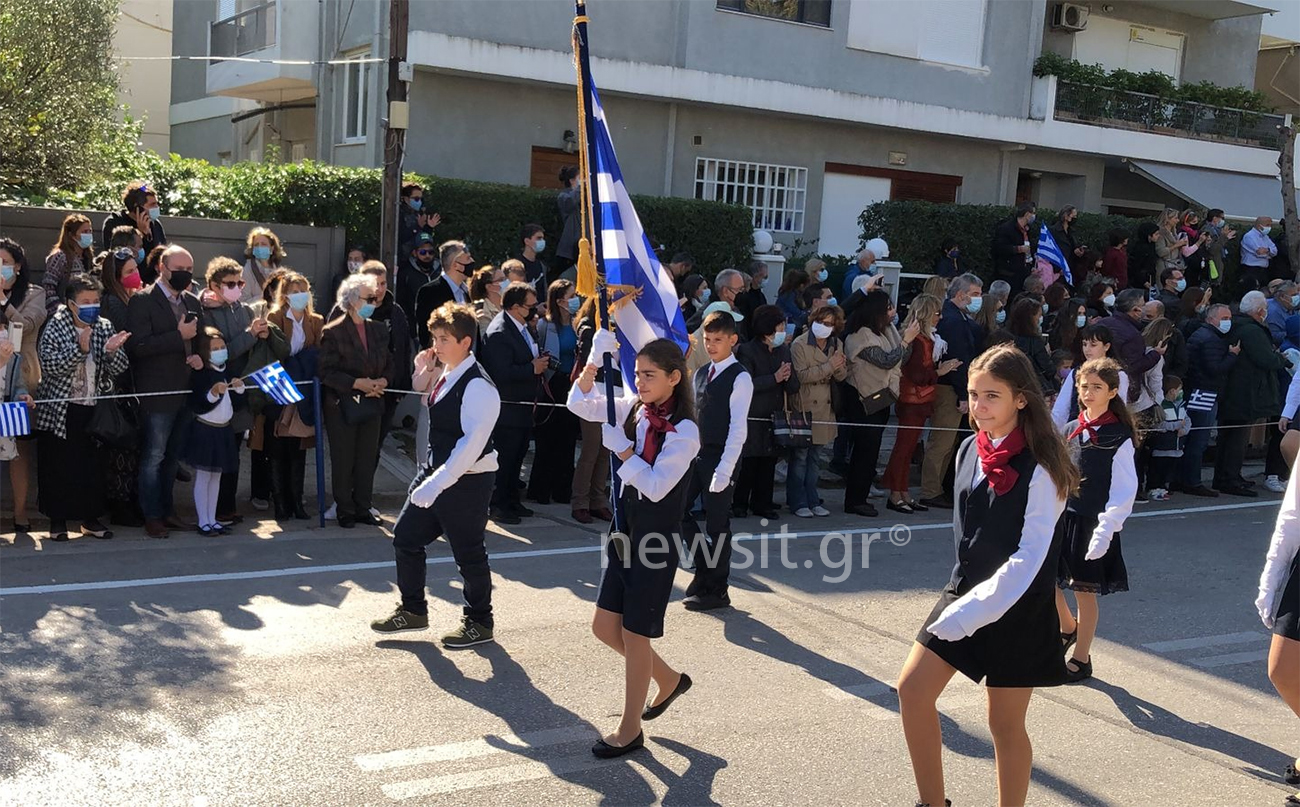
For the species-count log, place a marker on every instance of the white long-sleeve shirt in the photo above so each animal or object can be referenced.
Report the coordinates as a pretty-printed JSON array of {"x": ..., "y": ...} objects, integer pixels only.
[
  {"x": 674, "y": 459},
  {"x": 1061, "y": 406},
  {"x": 1292, "y": 398},
  {"x": 479, "y": 411},
  {"x": 1252, "y": 241},
  {"x": 1123, "y": 492},
  {"x": 989, "y": 600},
  {"x": 1281, "y": 552},
  {"x": 742, "y": 393}
]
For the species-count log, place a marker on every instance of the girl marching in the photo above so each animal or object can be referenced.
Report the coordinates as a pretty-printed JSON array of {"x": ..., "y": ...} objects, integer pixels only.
[
  {"x": 1092, "y": 564},
  {"x": 657, "y": 440},
  {"x": 1279, "y": 608},
  {"x": 995, "y": 621}
]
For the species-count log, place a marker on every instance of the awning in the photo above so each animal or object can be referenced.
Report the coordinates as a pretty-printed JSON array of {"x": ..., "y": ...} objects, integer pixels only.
[{"x": 1239, "y": 196}]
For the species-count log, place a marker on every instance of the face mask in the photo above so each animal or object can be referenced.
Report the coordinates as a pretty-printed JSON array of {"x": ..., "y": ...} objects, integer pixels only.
[
  {"x": 1181, "y": 285},
  {"x": 139, "y": 255},
  {"x": 231, "y": 295},
  {"x": 88, "y": 314},
  {"x": 354, "y": 267},
  {"x": 180, "y": 281},
  {"x": 540, "y": 245},
  {"x": 416, "y": 204},
  {"x": 219, "y": 357},
  {"x": 132, "y": 281},
  {"x": 832, "y": 301},
  {"x": 1225, "y": 326},
  {"x": 821, "y": 330},
  {"x": 894, "y": 320},
  {"x": 1080, "y": 321},
  {"x": 954, "y": 253},
  {"x": 575, "y": 302},
  {"x": 705, "y": 295},
  {"x": 85, "y": 240},
  {"x": 1033, "y": 217},
  {"x": 1044, "y": 308},
  {"x": 1000, "y": 317},
  {"x": 262, "y": 253},
  {"x": 366, "y": 311},
  {"x": 1062, "y": 373},
  {"x": 503, "y": 285},
  {"x": 155, "y": 213},
  {"x": 871, "y": 271},
  {"x": 822, "y": 275},
  {"x": 975, "y": 304},
  {"x": 7, "y": 272},
  {"x": 1295, "y": 300},
  {"x": 1109, "y": 300},
  {"x": 1200, "y": 309},
  {"x": 778, "y": 339},
  {"x": 298, "y": 300}
]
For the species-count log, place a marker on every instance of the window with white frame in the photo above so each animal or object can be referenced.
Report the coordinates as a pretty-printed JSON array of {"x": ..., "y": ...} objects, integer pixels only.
[
  {"x": 776, "y": 193},
  {"x": 944, "y": 31},
  {"x": 356, "y": 97}
]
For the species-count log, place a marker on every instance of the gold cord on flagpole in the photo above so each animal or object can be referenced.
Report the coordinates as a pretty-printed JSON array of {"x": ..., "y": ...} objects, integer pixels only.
[{"x": 587, "y": 278}]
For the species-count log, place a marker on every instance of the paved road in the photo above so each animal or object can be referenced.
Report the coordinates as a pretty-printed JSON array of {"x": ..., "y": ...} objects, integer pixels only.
[{"x": 241, "y": 671}]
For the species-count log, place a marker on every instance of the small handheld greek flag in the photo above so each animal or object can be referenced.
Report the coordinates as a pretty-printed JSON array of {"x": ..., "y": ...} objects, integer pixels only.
[
  {"x": 13, "y": 420},
  {"x": 274, "y": 381}
]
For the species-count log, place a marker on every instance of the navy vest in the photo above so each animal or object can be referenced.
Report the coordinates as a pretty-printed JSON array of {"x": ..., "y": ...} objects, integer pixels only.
[
  {"x": 713, "y": 403},
  {"x": 444, "y": 418},
  {"x": 1096, "y": 462}
]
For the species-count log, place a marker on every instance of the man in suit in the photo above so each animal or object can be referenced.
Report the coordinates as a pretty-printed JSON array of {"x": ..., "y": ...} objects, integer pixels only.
[
  {"x": 450, "y": 286},
  {"x": 163, "y": 323},
  {"x": 515, "y": 364}
]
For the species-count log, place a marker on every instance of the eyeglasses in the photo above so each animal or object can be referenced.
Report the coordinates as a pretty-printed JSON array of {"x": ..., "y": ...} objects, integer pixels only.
[
  {"x": 124, "y": 253},
  {"x": 233, "y": 284},
  {"x": 424, "y": 252},
  {"x": 374, "y": 300}
]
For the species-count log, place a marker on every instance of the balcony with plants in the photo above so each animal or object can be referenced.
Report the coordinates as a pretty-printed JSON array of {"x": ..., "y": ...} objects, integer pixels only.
[{"x": 1152, "y": 102}]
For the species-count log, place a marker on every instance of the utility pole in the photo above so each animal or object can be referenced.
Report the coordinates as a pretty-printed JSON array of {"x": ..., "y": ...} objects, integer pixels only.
[{"x": 399, "y": 15}]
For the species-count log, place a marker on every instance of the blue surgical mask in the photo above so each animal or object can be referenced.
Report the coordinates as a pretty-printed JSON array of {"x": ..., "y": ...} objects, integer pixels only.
[
  {"x": 139, "y": 255},
  {"x": 155, "y": 213},
  {"x": 1000, "y": 317},
  {"x": 832, "y": 301},
  {"x": 1044, "y": 308},
  {"x": 1032, "y": 218},
  {"x": 7, "y": 272},
  {"x": 366, "y": 311},
  {"x": 85, "y": 240},
  {"x": 1295, "y": 300},
  {"x": 778, "y": 339},
  {"x": 975, "y": 304},
  {"x": 1080, "y": 321},
  {"x": 88, "y": 314},
  {"x": 416, "y": 203},
  {"x": 894, "y": 320},
  {"x": 822, "y": 275},
  {"x": 952, "y": 253},
  {"x": 1109, "y": 300},
  {"x": 219, "y": 356},
  {"x": 298, "y": 300},
  {"x": 540, "y": 245},
  {"x": 1225, "y": 325},
  {"x": 262, "y": 253},
  {"x": 1181, "y": 285},
  {"x": 503, "y": 285},
  {"x": 575, "y": 302},
  {"x": 706, "y": 294}
]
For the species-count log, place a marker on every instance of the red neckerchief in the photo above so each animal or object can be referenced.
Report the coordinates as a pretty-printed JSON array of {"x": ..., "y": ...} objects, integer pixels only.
[
  {"x": 1091, "y": 426},
  {"x": 657, "y": 416},
  {"x": 995, "y": 461}
]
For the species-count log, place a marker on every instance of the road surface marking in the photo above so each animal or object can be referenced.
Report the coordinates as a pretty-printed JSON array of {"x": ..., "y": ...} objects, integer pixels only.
[
  {"x": 486, "y": 746},
  {"x": 491, "y": 777},
  {"x": 1229, "y": 659},
  {"x": 1198, "y": 642}
]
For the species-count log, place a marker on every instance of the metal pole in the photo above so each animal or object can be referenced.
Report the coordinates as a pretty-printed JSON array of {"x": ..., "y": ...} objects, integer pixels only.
[
  {"x": 320, "y": 452},
  {"x": 394, "y": 138}
]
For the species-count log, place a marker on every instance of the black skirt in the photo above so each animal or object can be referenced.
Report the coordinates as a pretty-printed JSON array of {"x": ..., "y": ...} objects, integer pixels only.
[
  {"x": 69, "y": 477},
  {"x": 640, "y": 585},
  {"x": 1287, "y": 620},
  {"x": 1021, "y": 649},
  {"x": 1107, "y": 575},
  {"x": 212, "y": 448}
]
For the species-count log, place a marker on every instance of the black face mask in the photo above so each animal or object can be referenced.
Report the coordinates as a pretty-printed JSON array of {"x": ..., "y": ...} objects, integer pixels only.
[{"x": 180, "y": 281}]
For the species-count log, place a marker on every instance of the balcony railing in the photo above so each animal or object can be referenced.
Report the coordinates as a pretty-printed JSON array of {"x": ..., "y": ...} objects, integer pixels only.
[
  {"x": 246, "y": 32},
  {"x": 1103, "y": 106}
]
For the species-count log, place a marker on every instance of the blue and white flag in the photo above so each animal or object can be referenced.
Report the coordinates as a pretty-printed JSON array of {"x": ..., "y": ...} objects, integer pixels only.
[
  {"x": 274, "y": 381},
  {"x": 13, "y": 420},
  {"x": 1050, "y": 252},
  {"x": 627, "y": 258}
]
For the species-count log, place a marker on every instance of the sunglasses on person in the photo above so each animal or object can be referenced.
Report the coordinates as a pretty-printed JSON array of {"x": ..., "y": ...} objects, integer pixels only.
[
  {"x": 373, "y": 299},
  {"x": 233, "y": 284},
  {"x": 124, "y": 253},
  {"x": 424, "y": 252}
]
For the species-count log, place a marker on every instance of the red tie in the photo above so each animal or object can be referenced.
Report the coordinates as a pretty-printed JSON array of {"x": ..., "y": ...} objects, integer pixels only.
[
  {"x": 433, "y": 396},
  {"x": 713, "y": 370}
]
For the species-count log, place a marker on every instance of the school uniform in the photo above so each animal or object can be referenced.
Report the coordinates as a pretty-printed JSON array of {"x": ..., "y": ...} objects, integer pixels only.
[
  {"x": 638, "y": 583},
  {"x": 999, "y": 607},
  {"x": 1279, "y": 584},
  {"x": 461, "y": 467},
  {"x": 211, "y": 445},
  {"x": 1065, "y": 409},
  {"x": 1095, "y": 516},
  {"x": 723, "y": 392}
]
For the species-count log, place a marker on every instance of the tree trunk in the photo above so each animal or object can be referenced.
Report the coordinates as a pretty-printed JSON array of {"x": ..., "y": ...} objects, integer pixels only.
[{"x": 1286, "y": 166}]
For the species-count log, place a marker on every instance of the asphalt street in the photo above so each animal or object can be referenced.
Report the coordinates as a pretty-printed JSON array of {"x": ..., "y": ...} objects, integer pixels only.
[{"x": 242, "y": 671}]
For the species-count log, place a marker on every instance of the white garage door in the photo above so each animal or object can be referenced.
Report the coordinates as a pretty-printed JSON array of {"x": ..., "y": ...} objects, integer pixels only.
[{"x": 844, "y": 197}]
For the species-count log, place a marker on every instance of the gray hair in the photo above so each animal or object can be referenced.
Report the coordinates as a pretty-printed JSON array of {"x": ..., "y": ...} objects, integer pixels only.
[
  {"x": 1000, "y": 289},
  {"x": 1214, "y": 309},
  {"x": 1128, "y": 299},
  {"x": 351, "y": 289},
  {"x": 1253, "y": 303},
  {"x": 724, "y": 279},
  {"x": 964, "y": 283},
  {"x": 1284, "y": 290},
  {"x": 862, "y": 256}
]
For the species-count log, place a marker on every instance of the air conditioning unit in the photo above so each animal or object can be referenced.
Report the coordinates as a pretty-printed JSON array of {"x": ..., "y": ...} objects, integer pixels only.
[{"x": 1070, "y": 17}]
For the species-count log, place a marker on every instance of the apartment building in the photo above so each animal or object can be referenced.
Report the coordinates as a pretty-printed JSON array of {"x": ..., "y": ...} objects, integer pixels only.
[{"x": 806, "y": 110}]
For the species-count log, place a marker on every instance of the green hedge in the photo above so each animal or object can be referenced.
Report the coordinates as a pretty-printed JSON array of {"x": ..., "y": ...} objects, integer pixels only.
[
  {"x": 1152, "y": 82},
  {"x": 486, "y": 215}
]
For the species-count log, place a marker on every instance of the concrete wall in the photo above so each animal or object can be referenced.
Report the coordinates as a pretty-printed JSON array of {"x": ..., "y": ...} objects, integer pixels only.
[
  {"x": 316, "y": 252},
  {"x": 145, "y": 28}
]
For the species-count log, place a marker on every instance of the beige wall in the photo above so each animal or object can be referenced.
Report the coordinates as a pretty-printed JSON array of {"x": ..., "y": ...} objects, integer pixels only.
[{"x": 145, "y": 29}]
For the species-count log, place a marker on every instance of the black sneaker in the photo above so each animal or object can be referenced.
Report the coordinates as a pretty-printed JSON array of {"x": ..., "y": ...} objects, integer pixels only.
[
  {"x": 706, "y": 602},
  {"x": 501, "y": 516},
  {"x": 468, "y": 634},
  {"x": 401, "y": 621}
]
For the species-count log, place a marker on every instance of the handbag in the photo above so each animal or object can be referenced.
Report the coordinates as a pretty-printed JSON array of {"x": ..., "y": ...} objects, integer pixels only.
[
  {"x": 290, "y": 423},
  {"x": 357, "y": 409},
  {"x": 792, "y": 429},
  {"x": 114, "y": 423},
  {"x": 880, "y": 399}
]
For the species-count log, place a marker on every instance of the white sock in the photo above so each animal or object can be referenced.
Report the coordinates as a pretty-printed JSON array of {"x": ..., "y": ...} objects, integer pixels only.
[{"x": 207, "y": 485}]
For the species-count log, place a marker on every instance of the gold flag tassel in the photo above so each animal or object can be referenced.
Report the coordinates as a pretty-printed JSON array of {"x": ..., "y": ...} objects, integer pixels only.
[{"x": 587, "y": 279}]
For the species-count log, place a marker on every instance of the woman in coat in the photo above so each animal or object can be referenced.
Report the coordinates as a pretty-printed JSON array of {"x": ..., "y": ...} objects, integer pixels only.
[
  {"x": 21, "y": 303},
  {"x": 355, "y": 366},
  {"x": 120, "y": 274},
  {"x": 74, "y": 254},
  {"x": 81, "y": 355},
  {"x": 819, "y": 364},
  {"x": 297, "y": 328},
  {"x": 767, "y": 358}
]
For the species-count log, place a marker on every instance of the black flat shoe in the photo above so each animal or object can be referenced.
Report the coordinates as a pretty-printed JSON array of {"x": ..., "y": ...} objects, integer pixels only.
[
  {"x": 1068, "y": 640},
  {"x": 899, "y": 507},
  {"x": 1292, "y": 800},
  {"x": 942, "y": 502},
  {"x": 1291, "y": 775},
  {"x": 603, "y": 750},
  {"x": 946, "y": 803},
  {"x": 1083, "y": 673},
  {"x": 22, "y": 528},
  {"x": 917, "y": 506},
  {"x": 651, "y": 712},
  {"x": 862, "y": 510}
]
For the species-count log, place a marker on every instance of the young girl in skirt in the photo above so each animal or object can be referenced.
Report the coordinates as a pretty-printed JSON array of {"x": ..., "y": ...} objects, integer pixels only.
[
  {"x": 211, "y": 450},
  {"x": 1279, "y": 608},
  {"x": 996, "y": 620},
  {"x": 656, "y": 440},
  {"x": 1092, "y": 565}
]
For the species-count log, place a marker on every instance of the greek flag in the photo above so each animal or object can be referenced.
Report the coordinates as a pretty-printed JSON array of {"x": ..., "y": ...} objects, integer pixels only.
[
  {"x": 1050, "y": 252},
  {"x": 627, "y": 257},
  {"x": 274, "y": 381},
  {"x": 13, "y": 420}
]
